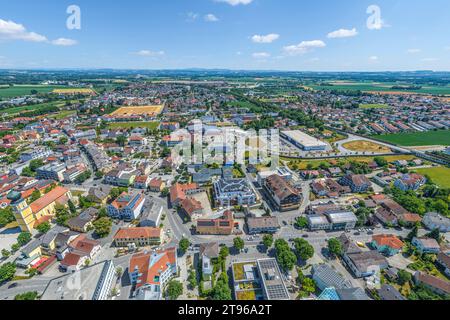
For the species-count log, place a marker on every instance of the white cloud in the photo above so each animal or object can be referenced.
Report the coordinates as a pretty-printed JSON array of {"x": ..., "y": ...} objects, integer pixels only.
[
  {"x": 261, "y": 55},
  {"x": 413, "y": 51},
  {"x": 269, "y": 38},
  {"x": 429, "y": 59},
  {"x": 343, "y": 33},
  {"x": 9, "y": 30},
  {"x": 148, "y": 53},
  {"x": 373, "y": 58},
  {"x": 191, "y": 16},
  {"x": 211, "y": 18},
  {"x": 236, "y": 2},
  {"x": 303, "y": 47},
  {"x": 64, "y": 42}
]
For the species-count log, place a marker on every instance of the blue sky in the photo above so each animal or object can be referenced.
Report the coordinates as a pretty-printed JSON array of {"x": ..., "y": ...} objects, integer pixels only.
[{"x": 319, "y": 35}]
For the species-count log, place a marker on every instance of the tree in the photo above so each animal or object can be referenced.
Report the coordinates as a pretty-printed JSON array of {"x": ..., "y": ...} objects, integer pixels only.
[
  {"x": 72, "y": 207},
  {"x": 221, "y": 290},
  {"x": 238, "y": 244},
  {"x": 403, "y": 277},
  {"x": 224, "y": 253},
  {"x": 5, "y": 253},
  {"x": 268, "y": 240},
  {"x": 119, "y": 272},
  {"x": 303, "y": 249},
  {"x": 24, "y": 238},
  {"x": 335, "y": 247},
  {"x": 307, "y": 285},
  {"x": 43, "y": 227},
  {"x": 381, "y": 162},
  {"x": 102, "y": 213},
  {"x": 301, "y": 223},
  {"x": 165, "y": 192},
  {"x": 7, "y": 271},
  {"x": 192, "y": 279},
  {"x": 98, "y": 174},
  {"x": 436, "y": 235},
  {"x": 32, "y": 295},
  {"x": 103, "y": 227},
  {"x": 174, "y": 289},
  {"x": 285, "y": 257},
  {"x": 183, "y": 245},
  {"x": 114, "y": 193},
  {"x": 34, "y": 196},
  {"x": 62, "y": 215},
  {"x": 413, "y": 234},
  {"x": 6, "y": 216},
  {"x": 15, "y": 247}
]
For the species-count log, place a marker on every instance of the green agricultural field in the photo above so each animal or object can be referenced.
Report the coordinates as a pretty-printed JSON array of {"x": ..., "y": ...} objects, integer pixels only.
[
  {"x": 23, "y": 90},
  {"x": 18, "y": 110},
  {"x": 385, "y": 87},
  {"x": 131, "y": 125},
  {"x": 374, "y": 106},
  {"x": 415, "y": 139},
  {"x": 439, "y": 175}
]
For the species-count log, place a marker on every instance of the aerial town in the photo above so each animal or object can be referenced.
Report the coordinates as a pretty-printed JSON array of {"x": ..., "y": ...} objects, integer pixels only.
[
  {"x": 224, "y": 158},
  {"x": 99, "y": 201}
]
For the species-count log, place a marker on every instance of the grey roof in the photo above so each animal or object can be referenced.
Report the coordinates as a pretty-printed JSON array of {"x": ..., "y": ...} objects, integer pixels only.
[
  {"x": 211, "y": 250},
  {"x": 330, "y": 277},
  {"x": 388, "y": 292},
  {"x": 352, "y": 294}
]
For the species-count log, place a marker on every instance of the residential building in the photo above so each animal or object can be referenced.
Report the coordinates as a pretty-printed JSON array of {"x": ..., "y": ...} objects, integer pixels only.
[
  {"x": 99, "y": 194},
  {"x": 179, "y": 192},
  {"x": 128, "y": 206},
  {"x": 389, "y": 293},
  {"x": 387, "y": 244},
  {"x": 192, "y": 208},
  {"x": 219, "y": 226},
  {"x": 52, "y": 171},
  {"x": 282, "y": 194},
  {"x": 234, "y": 192},
  {"x": 410, "y": 181},
  {"x": 208, "y": 253},
  {"x": 96, "y": 283},
  {"x": 434, "y": 220},
  {"x": 357, "y": 183},
  {"x": 443, "y": 259},
  {"x": 35, "y": 153},
  {"x": 142, "y": 182},
  {"x": 157, "y": 185},
  {"x": 426, "y": 245},
  {"x": 437, "y": 285},
  {"x": 71, "y": 174},
  {"x": 138, "y": 236},
  {"x": 83, "y": 222},
  {"x": 262, "y": 225},
  {"x": 150, "y": 272}
]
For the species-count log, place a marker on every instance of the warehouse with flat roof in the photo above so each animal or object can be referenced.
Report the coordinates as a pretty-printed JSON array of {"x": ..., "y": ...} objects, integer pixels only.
[{"x": 303, "y": 140}]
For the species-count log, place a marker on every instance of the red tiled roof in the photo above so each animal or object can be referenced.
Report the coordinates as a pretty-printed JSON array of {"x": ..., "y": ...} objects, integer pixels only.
[
  {"x": 47, "y": 199},
  {"x": 388, "y": 240},
  {"x": 138, "y": 233}
]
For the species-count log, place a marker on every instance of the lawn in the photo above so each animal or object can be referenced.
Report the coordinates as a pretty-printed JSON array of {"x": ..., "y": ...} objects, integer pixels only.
[
  {"x": 366, "y": 146},
  {"x": 63, "y": 114},
  {"x": 439, "y": 175},
  {"x": 415, "y": 139},
  {"x": 23, "y": 90},
  {"x": 132, "y": 125}
]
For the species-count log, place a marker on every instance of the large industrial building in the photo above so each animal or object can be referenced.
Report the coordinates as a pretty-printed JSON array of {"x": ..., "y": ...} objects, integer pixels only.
[{"x": 303, "y": 141}]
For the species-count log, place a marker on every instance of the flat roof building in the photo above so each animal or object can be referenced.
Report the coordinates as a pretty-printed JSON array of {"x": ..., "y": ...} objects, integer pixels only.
[{"x": 303, "y": 140}]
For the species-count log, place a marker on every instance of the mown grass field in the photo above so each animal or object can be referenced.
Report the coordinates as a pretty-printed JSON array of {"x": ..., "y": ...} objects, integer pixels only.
[
  {"x": 415, "y": 139},
  {"x": 132, "y": 125},
  {"x": 439, "y": 175},
  {"x": 23, "y": 90},
  {"x": 366, "y": 146}
]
